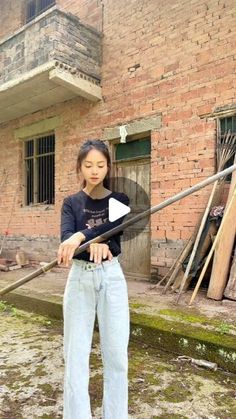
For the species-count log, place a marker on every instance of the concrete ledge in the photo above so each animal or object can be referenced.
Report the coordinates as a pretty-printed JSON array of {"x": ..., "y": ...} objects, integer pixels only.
[
  {"x": 156, "y": 330},
  {"x": 37, "y": 303},
  {"x": 39, "y": 127},
  {"x": 80, "y": 87},
  {"x": 133, "y": 128},
  {"x": 180, "y": 339}
]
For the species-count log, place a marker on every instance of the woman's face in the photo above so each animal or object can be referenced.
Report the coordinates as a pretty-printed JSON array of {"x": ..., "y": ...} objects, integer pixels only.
[{"x": 94, "y": 167}]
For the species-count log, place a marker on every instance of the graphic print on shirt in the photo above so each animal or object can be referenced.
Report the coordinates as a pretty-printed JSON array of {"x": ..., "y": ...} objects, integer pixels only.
[{"x": 97, "y": 217}]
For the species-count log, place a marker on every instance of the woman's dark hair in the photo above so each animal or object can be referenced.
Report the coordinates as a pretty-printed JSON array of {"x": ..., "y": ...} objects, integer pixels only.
[{"x": 97, "y": 145}]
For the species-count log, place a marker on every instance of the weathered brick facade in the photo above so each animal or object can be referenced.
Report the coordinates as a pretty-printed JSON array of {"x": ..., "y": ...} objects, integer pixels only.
[
  {"x": 55, "y": 36},
  {"x": 174, "y": 59}
]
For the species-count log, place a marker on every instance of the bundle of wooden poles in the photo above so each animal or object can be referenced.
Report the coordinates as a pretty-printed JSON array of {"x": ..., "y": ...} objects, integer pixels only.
[{"x": 217, "y": 244}]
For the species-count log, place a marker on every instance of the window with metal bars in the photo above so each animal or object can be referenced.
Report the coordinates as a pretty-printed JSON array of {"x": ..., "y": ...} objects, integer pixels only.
[
  {"x": 226, "y": 124},
  {"x": 39, "y": 162},
  {"x": 36, "y": 7}
]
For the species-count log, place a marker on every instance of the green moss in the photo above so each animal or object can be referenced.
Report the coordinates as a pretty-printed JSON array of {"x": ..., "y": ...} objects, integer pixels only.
[
  {"x": 158, "y": 323},
  {"x": 181, "y": 338},
  {"x": 47, "y": 389},
  {"x": 40, "y": 371},
  {"x": 14, "y": 378},
  {"x": 35, "y": 346},
  {"x": 152, "y": 379},
  {"x": 227, "y": 401},
  {"x": 190, "y": 317},
  {"x": 28, "y": 316},
  {"x": 175, "y": 392},
  {"x": 134, "y": 305},
  {"x": 185, "y": 315}
]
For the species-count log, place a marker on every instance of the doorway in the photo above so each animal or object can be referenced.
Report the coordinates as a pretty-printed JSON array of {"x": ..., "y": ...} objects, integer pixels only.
[{"x": 131, "y": 160}]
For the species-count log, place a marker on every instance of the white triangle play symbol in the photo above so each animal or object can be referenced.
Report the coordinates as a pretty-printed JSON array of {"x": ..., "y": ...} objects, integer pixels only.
[{"x": 116, "y": 209}]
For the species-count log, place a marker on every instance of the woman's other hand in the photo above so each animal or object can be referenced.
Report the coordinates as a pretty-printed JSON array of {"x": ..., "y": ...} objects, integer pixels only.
[
  {"x": 99, "y": 251},
  {"x": 67, "y": 248}
]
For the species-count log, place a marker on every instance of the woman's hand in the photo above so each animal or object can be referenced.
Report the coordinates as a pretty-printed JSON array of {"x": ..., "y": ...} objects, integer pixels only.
[
  {"x": 99, "y": 251},
  {"x": 67, "y": 248}
]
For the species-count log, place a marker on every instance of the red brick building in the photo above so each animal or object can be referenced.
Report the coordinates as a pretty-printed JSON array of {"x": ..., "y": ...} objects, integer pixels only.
[{"x": 72, "y": 70}]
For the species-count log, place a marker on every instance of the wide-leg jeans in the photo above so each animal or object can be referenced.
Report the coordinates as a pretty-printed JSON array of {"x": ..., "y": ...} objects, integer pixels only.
[{"x": 96, "y": 289}]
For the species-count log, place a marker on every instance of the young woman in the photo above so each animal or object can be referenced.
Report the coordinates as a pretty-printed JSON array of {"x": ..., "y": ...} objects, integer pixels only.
[{"x": 95, "y": 286}]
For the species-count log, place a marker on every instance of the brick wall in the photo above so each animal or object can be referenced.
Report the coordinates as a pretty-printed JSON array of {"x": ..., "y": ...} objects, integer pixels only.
[
  {"x": 89, "y": 11},
  {"x": 12, "y": 16},
  {"x": 13, "y": 13},
  {"x": 177, "y": 59}
]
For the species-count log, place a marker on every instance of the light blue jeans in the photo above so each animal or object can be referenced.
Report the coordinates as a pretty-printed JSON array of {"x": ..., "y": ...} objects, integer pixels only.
[{"x": 96, "y": 289}]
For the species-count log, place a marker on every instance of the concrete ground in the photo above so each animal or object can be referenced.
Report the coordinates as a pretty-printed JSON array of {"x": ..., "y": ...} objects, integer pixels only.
[
  {"x": 206, "y": 330},
  {"x": 160, "y": 385},
  {"x": 52, "y": 283}
]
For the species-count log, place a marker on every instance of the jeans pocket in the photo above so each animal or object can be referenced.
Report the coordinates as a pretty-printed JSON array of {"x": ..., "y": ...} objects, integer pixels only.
[
  {"x": 75, "y": 274},
  {"x": 115, "y": 273}
]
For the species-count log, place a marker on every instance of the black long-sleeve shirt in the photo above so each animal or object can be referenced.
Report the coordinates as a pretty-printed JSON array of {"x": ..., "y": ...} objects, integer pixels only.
[{"x": 82, "y": 213}]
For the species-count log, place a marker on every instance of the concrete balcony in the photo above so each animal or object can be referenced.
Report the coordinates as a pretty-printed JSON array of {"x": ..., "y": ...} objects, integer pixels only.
[{"x": 52, "y": 59}]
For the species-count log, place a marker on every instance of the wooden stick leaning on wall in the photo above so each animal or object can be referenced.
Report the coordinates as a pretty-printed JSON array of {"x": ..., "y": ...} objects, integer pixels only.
[
  {"x": 230, "y": 290},
  {"x": 223, "y": 251},
  {"x": 172, "y": 271},
  {"x": 176, "y": 280},
  {"x": 122, "y": 226},
  {"x": 230, "y": 210},
  {"x": 195, "y": 246},
  {"x": 180, "y": 260},
  {"x": 225, "y": 150}
]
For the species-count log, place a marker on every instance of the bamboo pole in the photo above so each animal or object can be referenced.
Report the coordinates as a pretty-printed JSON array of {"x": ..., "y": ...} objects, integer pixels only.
[
  {"x": 223, "y": 251},
  {"x": 179, "y": 261},
  {"x": 225, "y": 150},
  {"x": 122, "y": 226},
  {"x": 171, "y": 270},
  {"x": 230, "y": 210},
  {"x": 199, "y": 234},
  {"x": 230, "y": 290}
]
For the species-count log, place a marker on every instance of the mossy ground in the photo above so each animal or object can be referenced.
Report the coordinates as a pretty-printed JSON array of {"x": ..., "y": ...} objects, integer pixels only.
[
  {"x": 185, "y": 333},
  {"x": 31, "y": 376}
]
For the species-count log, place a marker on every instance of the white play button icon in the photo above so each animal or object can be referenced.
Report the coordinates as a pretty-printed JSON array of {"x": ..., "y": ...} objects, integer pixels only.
[{"x": 116, "y": 209}]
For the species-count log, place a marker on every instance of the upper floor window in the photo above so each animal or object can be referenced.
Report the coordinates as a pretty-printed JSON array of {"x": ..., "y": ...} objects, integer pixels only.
[
  {"x": 227, "y": 125},
  {"x": 36, "y": 7},
  {"x": 39, "y": 168}
]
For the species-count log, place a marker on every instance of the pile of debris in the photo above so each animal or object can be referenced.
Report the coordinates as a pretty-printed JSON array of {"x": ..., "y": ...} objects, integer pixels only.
[{"x": 10, "y": 265}]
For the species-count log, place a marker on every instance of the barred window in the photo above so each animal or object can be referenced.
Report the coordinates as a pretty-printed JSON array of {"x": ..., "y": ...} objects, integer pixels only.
[
  {"x": 36, "y": 7},
  {"x": 39, "y": 163},
  {"x": 225, "y": 125}
]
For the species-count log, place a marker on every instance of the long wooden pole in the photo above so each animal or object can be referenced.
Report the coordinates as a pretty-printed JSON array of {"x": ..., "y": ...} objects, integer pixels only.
[
  {"x": 229, "y": 212},
  {"x": 199, "y": 234},
  {"x": 223, "y": 251},
  {"x": 179, "y": 262},
  {"x": 124, "y": 225}
]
